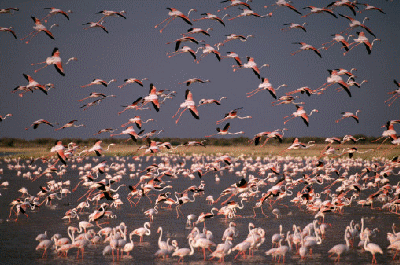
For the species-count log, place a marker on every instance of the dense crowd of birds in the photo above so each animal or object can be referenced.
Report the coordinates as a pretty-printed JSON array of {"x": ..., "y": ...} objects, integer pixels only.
[{"x": 263, "y": 183}]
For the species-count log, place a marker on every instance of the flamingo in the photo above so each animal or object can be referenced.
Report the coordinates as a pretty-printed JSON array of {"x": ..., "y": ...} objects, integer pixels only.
[
  {"x": 95, "y": 25},
  {"x": 247, "y": 13},
  {"x": 44, "y": 244},
  {"x": 32, "y": 85},
  {"x": 346, "y": 3},
  {"x": 183, "y": 252},
  {"x": 9, "y": 10},
  {"x": 334, "y": 78},
  {"x": 284, "y": 3},
  {"x": 347, "y": 114},
  {"x": 370, "y": 7},
  {"x": 152, "y": 97},
  {"x": 208, "y": 49},
  {"x": 235, "y": 3},
  {"x": 96, "y": 95},
  {"x": 98, "y": 81},
  {"x": 234, "y": 56},
  {"x": 204, "y": 101},
  {"x": 174, "y": 13},
  {"x": 274, "y": 134},
  {"x": 224, "y": 131},
  {"x": 135, "y": 105},
  {"x": 233, "y": 115},
  {"x": 294, "y": 26},
  {"x": 54, "y": 11},
  {"x": 340, "y": 249},
  {"x": 362, "y": 39},
  {"x": 212, "y": 17},
  {"x": 251, "y": 64},
  {"x": 138, "y": 121},
  {"x": 38, "y": 28},
  {"x": 184, "y": 49},
  {"x": 142, "y": 231},
  {"x": 300, "y": 112},
  {"x": 132, "y": 80},
  {"x": 5, "y": 116},
  {"x": 305, "y": 47},
  {"x": 355, "y": 23},
  {"x": 297, "y": 145},
  {"x": 372, "y": 248},
  {"x": 194, "y": 80},
  {"x": 231, "y": 37},
  {"x": 109, "y": 13},
  {"x": 55, "y": 60},
  {"x": 189, "y": 104},
  {"x": 316, "y": 10},
  {"x": 131, "y": 132},
  {"x": 395, "y": 93},
  {"x": 265, "y": 85},
  {"x": 198, "y": 30},
  {"x": 338, "y": 38},
  {"x": 36, "y": 124},
  {"x": 9, "y": 30}
]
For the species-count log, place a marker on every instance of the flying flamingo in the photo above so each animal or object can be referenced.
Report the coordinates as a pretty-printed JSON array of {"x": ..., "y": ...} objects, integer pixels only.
[
  {"x": 234, "y": 56},
  {"x": 294, "y": 26},
  {"x": 36, "y": 124},
  {"x": 265, "y": 85},
  {"x": 283, "y": 3},
  {"x": 104, "y": 130},
  {"x": 395, "y": 93},
  {"x": 334, "y": 78},
  {"x": 355, "y": 23},
  {"x": 362, "y": 39},
  {"x": 338, "y": 38},
  {"x": 38, "y": 28},
  {"x": 109, "y": 13},
  {"x": 9, "y": 30},
  {"x": 316, "y": 10},
  {"x": 152, "y": 97},
  {"x": 300, "y": 112},
  {"x": 204, "y": 101},
  {"x": 212, "y": 17},
  {"x": 99, "y": 82},
  {"x": 189, "y": 104},
  {"x": 347, "y": 3},
  {"x": 184, "y": 49},
  {"x": 95, "y": 25},
  {"x": 133, "y": 80},
  {"x": 183, "y": 39},
  {"x": 286, "y": 100},
  {"x": 197, "y": 30},
  {"x": 54, "y": 59},
  {"x": 208, "y": 49},
  {"x": 246, "y": 13},
  {"x": 70, "y": 124},
  {"x": 274, "y": 134},
  {"x": 136, "y": 120},
  {"x": 231, "y": 37},
  {"x": 174, "y": 13},
  {"x": 5, "y": 117},
  {"x": 308, "y": 91},
  {"x": 234, "y": 3},
  {"x": 194, "y": 80},
  {"x": 224, "y": 131},
  {"x": 370, "y": 7},
  {"x": 94, "y": 95},
  {"x": 54, "y": 11},
  {"x": 298, "y": 145},
  {"x": 32, "y": 85},
  {"x": 349, "y": 115},
  {"x": 251, "y": 64},
  {"x": 305, "y": 47},
  {"x": 131, "y": 132},
  {"x": 9, "y": 10},
  {"x": 233, "y": 115},
  {"x": 135, "y": 105}
]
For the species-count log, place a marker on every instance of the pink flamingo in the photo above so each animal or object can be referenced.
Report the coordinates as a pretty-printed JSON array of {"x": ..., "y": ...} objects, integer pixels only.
[{"x": 188, "y": 104}]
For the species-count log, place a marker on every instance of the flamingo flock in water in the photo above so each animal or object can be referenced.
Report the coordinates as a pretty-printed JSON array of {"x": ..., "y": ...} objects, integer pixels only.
[{"x": 264, "y": 183}]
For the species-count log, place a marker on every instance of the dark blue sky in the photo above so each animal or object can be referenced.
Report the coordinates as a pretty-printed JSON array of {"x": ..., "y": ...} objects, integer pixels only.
[{"x": 134, "y": 48}]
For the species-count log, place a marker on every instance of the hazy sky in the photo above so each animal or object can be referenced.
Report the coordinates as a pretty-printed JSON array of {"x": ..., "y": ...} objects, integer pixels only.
[{"x": 134, "y": 48}]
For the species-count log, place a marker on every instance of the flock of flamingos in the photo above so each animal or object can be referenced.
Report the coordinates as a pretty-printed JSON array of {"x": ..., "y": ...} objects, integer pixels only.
[{"x": 323, "y": 187}]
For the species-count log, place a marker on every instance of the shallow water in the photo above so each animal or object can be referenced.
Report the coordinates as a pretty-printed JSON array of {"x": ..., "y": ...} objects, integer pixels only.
[{"x": 18, "y": 238}]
